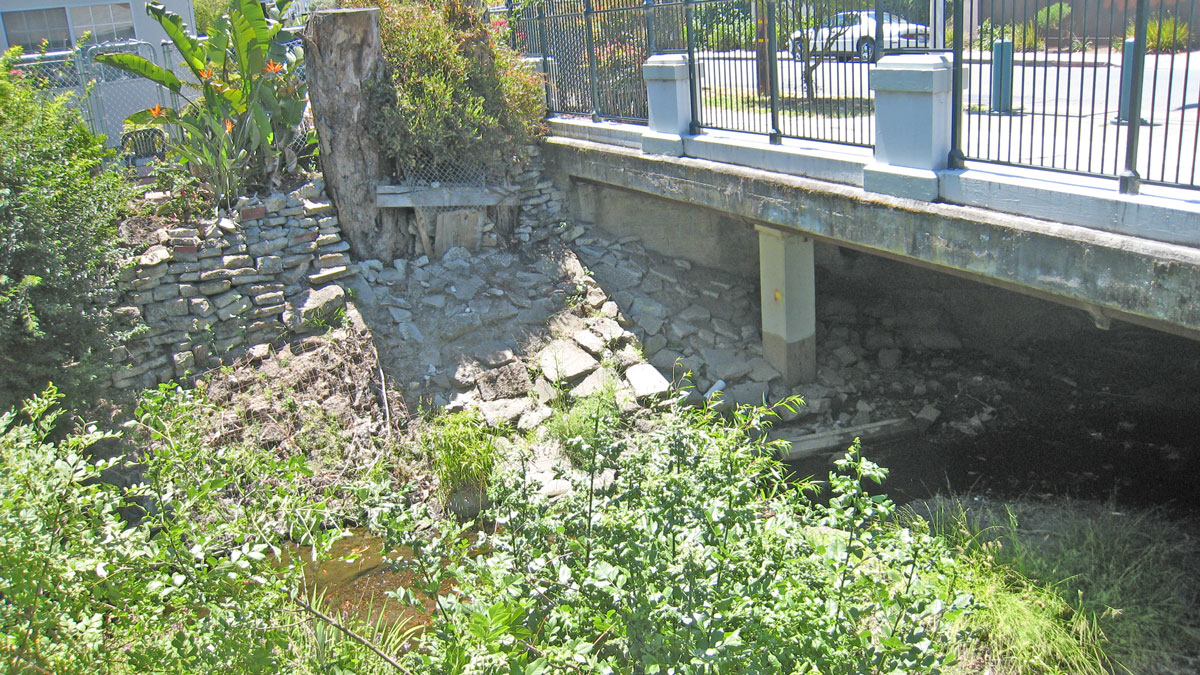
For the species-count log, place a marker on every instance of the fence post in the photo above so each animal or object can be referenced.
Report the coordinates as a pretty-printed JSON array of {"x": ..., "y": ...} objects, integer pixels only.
[
  {"x": 773, "y": 71},
  {"x": 912, "y": 122},
  {"x": 668, "y": 97},
  {"x": 956, "y": 160},
  {"x": 590, "y": 40},
  {"x": 878, "y": 34},
  {"x": 512, "y": 28},
  {"x": 693, "y": 67},
  {"x": 547, "y": 72},
  {"x": 649, "y": 11},
  {"x": 1130, "y": 182}
]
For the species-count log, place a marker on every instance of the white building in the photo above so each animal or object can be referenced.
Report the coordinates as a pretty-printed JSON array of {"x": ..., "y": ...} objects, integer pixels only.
[{"x": 60, "y": 23}]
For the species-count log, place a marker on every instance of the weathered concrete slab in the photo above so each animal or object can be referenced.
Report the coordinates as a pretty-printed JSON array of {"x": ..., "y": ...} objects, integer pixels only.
[{"x": 1110, "y": 275}]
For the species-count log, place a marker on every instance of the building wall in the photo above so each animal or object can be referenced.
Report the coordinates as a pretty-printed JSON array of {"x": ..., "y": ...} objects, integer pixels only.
[
  {"x": 145, "y": 27},
  {"x": 1094, "y": 19}
]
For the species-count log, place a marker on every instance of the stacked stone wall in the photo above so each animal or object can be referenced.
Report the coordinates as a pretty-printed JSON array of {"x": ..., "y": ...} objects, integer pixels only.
[{"x": 207, "y": 291}]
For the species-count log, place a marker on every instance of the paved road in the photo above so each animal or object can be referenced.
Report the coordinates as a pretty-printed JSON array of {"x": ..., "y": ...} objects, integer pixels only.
[{"x": 1062, "y": 116}]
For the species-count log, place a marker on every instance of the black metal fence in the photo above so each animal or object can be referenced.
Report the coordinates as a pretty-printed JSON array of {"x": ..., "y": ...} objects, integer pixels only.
[{"x": 1041, "y": 93}]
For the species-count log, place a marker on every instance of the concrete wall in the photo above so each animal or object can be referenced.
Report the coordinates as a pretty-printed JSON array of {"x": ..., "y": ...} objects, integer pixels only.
[{"x": 670, "y": 227}]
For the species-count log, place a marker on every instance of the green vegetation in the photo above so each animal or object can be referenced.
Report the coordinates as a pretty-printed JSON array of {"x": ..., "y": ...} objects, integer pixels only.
[
  {"x": 792, "y": 106},
  {"x": 463, "y": 451},
  {"x": 583, "y": 425},
  {"x": 454, "y": 99},
  {"x": 1165, "y": 35},
  {"x": 1068, "y": 585},
  {"x": 241, "y": 130},
  {"x": 195, "y": 587},
  {"x": 1050, "y": 19},
  {"x": 59, "y": 203},
  {"x": 1024, "y": 36}
]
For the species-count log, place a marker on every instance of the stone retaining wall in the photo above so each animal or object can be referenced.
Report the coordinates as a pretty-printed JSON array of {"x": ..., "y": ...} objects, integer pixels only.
[{"x": 207, "y": 292}]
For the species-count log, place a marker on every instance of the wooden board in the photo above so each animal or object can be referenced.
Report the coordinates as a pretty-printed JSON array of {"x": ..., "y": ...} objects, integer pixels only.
[
  {"x": 836, "y": 441},
  {"x": 458, "y": 228},
  {"x": 401, "y": 196}
]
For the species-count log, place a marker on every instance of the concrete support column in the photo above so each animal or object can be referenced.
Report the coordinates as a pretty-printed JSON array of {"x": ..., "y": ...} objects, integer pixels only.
[
  {"x": 670, "y": 103},
  {"x": 789, "y": 304},
  {"x": 912, "y": 125}
]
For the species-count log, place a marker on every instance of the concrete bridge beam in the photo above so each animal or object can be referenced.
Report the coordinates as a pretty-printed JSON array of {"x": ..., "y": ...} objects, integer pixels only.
[{"x": 789, "y": 303}]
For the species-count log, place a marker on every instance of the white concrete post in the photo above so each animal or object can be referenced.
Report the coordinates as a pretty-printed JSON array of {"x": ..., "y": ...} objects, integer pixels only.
[
  {"x": 789, "y": 303},
  {"x": 670, "y": 103},
  {"x": 912, "y": 125},
  {"x": 548, "y": 68}
]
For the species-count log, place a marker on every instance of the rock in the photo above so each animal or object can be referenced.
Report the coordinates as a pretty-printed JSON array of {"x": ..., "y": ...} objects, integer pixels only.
[
  {"x": 589, "y": 341},
  {"x": 609, "y": 330},
  {"x": 327, "y": 275},
  {"x": 465, "y": 374},
  {"x": 846, "y": 355},
  {"x": 646, "y": 381},
  {"x": 761, "y": 371},
  {"x": 564, "y": 360},
  {"x": 436, "y": 301},
  {"x": 460, "y": 324},
  {"x": 594, "y": 383},
  {"x": 889, "y": 358},
  {"x": 653, "y": 344},
  {"x": 724, "y": 364},
  {"x": 494, "y": 354},
  {"x": 920, "y": 337},
  {"x": 748, "y": 393},
  {"x": 927, "y": 417},
  {"x": 154, "y": 255},
  {"x": 317, "y": 304},
  {"x": 508, "y": 381},
  {"x": 400, "y": 315},
  {"x": 505, "y": 410},
  {"x": 534, "y": 417}
]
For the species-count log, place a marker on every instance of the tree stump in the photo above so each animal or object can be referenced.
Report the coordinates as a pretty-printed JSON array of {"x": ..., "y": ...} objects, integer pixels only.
[{"x": 343, "y": 57}]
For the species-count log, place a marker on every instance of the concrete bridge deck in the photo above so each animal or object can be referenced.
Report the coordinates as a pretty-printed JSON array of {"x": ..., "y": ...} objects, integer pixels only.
[{"x": 706, "y": 208}]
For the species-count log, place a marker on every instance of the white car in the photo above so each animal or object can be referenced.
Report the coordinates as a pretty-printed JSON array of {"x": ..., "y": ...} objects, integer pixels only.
[{"x": 847, "y": 34}]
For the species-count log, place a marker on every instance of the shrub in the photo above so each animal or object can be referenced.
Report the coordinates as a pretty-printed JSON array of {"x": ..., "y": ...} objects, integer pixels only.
[
  {"x": 684, "y": 562},
  {"x": 1165, "y": 35},
  {"x": 1023, "y": 35},
  {"x": 1050, "y": 19},
  {"x": 455, "y": 101},
  {"x": 196, "y": 587},
  {"x": 241, "y": 129},
  {"x": 59, "y": 204},
  {"x": 585, "y": 424}
]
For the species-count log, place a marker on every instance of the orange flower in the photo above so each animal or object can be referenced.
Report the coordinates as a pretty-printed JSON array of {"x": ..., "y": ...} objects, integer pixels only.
[
  {"x": 229, "y": 126},
  {"x": 157, "y": 111},
  {"x": 206, "y": 74},
  {"x": 273, "y": 67}
]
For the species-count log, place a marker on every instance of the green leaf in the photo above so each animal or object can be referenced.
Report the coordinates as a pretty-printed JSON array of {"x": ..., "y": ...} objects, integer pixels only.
[{"x": 138, "y": 65}]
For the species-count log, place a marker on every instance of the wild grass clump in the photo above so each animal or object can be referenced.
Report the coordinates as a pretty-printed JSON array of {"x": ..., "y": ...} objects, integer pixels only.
[
  {"x": 463, "y": 451},
  {"x": 1076, "y": 586},
  {"x": 584, "y": 424},
  {"x": 1166, "y": 35}
]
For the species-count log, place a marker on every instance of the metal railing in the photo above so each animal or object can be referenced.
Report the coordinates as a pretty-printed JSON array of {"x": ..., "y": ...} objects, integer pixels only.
[{"x": 1064, "y": 91}]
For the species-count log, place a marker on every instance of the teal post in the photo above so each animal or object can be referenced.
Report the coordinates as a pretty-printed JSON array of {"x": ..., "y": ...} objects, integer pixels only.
[{"x": 1002, "y": 76}]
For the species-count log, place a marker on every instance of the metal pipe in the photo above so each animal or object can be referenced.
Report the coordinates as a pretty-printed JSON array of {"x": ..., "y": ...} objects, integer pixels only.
[
  {"x": 956, "y": 96},
  {"x": 651, "y": 48},
  {"x": 693, "y": 71}
]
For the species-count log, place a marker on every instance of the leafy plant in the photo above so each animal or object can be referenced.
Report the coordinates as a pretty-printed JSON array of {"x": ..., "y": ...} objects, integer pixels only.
[
  {"x": 693, "y": 559},
  {"x": 240, "y": 128},
  {"x": 456, "y": 103},
  {"x": 1051, "y": 18},
  {"x": 59, "y": 202},
  {"x": 584, "y": 423},
  {"x": 1023, "y": 35},
  {"x": 186, "y": 198},
  {"x": 197, "y": 586}
]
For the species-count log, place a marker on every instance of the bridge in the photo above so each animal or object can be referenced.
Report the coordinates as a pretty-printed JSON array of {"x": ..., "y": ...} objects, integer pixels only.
[{"x": 758, "y": 204}]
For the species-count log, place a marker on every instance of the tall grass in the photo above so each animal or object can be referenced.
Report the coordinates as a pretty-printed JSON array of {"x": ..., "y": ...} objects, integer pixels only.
[{"x": 1075, "y": 587}]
